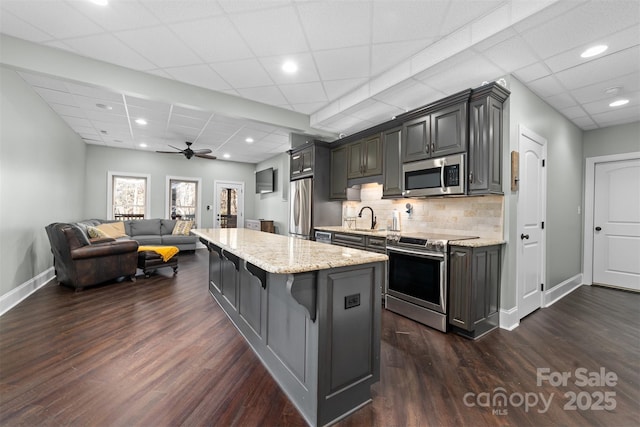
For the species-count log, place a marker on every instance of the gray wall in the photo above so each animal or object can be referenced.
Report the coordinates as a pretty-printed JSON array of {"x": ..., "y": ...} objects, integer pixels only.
[
  {"x": 275, "y": 206},
  {"x": 101, "y": 160},
  {"x": 612, "y": 140},
  {"x": 564, "y": 190},
  {"x": 42, "y": 168}
]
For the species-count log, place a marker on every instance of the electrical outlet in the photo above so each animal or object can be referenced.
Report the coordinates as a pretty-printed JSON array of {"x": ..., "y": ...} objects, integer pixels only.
[
  {"x": 579, "y": 210},
  {"x": 351, "y": 301}
]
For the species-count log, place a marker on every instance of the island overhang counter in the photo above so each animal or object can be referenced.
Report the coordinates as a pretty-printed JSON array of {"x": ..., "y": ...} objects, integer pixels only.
[{"x": 310, "y": 311}]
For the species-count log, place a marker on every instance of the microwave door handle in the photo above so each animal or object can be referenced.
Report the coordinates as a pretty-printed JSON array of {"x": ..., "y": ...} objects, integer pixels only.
[{"x": 442, "y": 176}]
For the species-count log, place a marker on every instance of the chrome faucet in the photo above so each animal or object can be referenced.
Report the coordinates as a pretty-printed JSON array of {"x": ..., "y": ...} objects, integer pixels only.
[{"x": 373, "y": 218}]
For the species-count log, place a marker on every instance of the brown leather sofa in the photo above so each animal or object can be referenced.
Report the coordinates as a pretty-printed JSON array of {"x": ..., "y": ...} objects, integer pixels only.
[{"x": 79, "y": 262}]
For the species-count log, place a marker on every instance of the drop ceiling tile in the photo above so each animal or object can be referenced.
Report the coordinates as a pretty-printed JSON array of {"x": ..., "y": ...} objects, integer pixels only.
[
  {"x": 267, "y": 94},
  {"x": 271, "y": 32},
  {"x": 337, "y": 88},
  {"x": 622, "y": 115},
  {"x": 561, "y": 101},
  {"x": 449, "y": 48},
  {"x": 616, "y": 42},
  {"x": 198, "y": 75},
  {"x": 149, "y": 104},
  {"x": 77, "y": 122},
  {"x": 546, "y": 86},
  {"x": 55, "y": 18},
  {"x": 169, "y": 11},
  {"x": 108, "y": 48},
  {"x": 347, "y": 63},
  {"x": 374, "y": 111},
  {"x": 56, "y": 97},
  {"x": 154, "y": 43},
  {"x": 601, "y": 69},
  {"x": 106, "y": 117},
  {"x": 491, "y": 23},
  {"x": 150, "y": 115},
  {"x": 16, "y": 27},
  {"x": 532, "y": 72},
  {"x": 463, "y": 12},
  {"x": 91, "y": 104},
  {"x": 584, "y": 123},
  {"x": 386, "y": 55},
  {"x": 43, "y": 81},
  {"x": 457, "y": 77},
  {"x": 414, "y": 20},
  {"x": 243, "y": 74},
  {"x": 409, "y": 94},
  {"x": 602, "y": 106},
  {"x": 306, "y": 69},
  {"x": 214, "y": 39},
  {"x": 595, "y": 92},
  {"x": 588, "y": 22},
  {"x": 331, "y": 25},
  {"x": 190, "y": 112},
  {"x": 93, "y": 92},
  {"x": 573, "y": 112},
  {"x": 511, "y": 54},
  {"x": 118, "y": 15},
  {"x": 179, "y": 120},
  {"x": 304, "y": 93}
]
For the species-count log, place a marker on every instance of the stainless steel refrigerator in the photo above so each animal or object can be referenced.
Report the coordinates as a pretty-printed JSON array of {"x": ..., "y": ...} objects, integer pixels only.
[{"x": 310, "y": 207}]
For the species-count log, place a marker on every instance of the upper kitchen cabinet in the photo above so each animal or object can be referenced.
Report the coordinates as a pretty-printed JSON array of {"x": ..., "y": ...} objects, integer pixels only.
[
  {"x": 485, "y": 139},
  {"x": 302, "y": 160},
  {"x": 392, "y": 168},
  {"x": 339, "y": 173},
  {"x": 365, "y": 157},
  {"x": 441, "y": 132}
]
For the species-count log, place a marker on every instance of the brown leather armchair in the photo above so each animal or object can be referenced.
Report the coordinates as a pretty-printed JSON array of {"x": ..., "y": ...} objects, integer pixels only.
[{"x": 79, "y": 262}]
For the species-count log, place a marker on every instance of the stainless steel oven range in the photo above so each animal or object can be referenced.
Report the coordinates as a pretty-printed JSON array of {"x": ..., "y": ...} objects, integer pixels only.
[{"x": 418, "y": 276}]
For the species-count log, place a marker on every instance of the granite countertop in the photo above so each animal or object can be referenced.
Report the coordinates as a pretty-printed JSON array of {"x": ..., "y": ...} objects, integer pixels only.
[
  {"x": 282, "y": 254},
  {"x": 340, "y": 229},
  {"x": 476, "y": 243}
]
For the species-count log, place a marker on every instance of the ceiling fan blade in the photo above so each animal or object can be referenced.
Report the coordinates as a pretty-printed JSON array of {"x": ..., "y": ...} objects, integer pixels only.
[
  {"x": 169, "y": 152},
  {"x": 179, "y": 149},
  {"x": 202, "y": 151},
  {"x": 205, "y": 156}
]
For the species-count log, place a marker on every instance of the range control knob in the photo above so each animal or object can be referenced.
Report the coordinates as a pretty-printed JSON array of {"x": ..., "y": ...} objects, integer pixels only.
[{"x": 440, "y": 245}]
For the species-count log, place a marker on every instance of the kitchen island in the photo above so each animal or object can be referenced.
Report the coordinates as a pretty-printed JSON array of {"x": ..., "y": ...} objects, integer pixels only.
[{"x": 310, "y": 311}]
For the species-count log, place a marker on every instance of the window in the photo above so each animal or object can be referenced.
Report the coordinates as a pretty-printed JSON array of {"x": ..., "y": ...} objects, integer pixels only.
[
  {"x": 184, "y": 198},
  {"x": 128, "y": 196}
]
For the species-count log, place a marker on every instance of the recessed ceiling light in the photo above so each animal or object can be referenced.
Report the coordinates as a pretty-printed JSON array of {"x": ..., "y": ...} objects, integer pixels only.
[
  {"x": 100, "y": 2},
  {"x": 143, "y": 145},
  {"x": 104, "y": 106},
  {"x": 289, "y": 67},
  {"x": 594, "y": 50},
  {"x": 141, "y": 122},
  {"x": 619, "y": 102},
  {"x": 249, "y": 140},
  {"x": 613, "y": 90},
  {"x": 226, "y": 155}
]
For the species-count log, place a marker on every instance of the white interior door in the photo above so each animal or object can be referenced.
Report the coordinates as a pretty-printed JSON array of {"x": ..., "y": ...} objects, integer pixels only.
[
  {"x": 228, "y": 201},
  {"x": 531, "y": 214},
  {"x": 616, "y": 217}
]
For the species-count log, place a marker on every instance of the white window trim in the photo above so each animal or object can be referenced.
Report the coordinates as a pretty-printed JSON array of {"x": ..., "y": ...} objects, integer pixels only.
[
  {"x": 167, "y": 202},
  {"x": 147, "y": 201}
]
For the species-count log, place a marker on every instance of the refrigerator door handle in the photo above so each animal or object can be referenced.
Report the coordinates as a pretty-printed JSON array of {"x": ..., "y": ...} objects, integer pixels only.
[{"x": 296, "y": 207}]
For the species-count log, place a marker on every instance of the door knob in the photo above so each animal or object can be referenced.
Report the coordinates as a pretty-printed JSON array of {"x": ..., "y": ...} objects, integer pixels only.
[
  {"x": 524, "y": 236},
  {"x": 598, "y": 228}
]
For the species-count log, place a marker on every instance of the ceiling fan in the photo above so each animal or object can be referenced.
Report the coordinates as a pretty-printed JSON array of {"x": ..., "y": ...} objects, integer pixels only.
[{"x": 189, "y": 153}]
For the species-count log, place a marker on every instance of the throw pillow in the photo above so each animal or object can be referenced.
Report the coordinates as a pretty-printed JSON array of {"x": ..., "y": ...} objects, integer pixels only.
[
  {"x": 182, "y": 227},
  {"x": 94, "y": 232},
  {"x": 113, "y": 229}
]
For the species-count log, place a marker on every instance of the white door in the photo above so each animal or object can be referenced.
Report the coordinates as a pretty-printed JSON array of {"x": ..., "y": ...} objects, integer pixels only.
[
  {"x": 616, "y": 218},
  {"x": 531, "y": 214},
  {"x": 228, "y": 204}
]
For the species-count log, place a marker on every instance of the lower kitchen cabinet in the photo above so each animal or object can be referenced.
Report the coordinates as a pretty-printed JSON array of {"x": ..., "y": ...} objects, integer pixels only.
[{"x": 474, "y": 290}]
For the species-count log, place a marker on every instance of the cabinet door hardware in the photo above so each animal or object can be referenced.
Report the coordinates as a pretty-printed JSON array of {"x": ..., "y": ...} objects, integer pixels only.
[{"x": 524, "y": 236}]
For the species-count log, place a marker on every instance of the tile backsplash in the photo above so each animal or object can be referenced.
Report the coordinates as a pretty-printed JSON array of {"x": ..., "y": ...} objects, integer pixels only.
[{"x": 480, "y": 216}]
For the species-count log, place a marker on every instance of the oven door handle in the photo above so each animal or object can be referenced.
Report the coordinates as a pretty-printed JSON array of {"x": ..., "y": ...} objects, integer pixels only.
[{"x": 418, "y": 254}]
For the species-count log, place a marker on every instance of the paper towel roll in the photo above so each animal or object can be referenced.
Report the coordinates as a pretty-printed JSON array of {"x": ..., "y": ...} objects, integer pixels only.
[{"x": 395, "y": 223}]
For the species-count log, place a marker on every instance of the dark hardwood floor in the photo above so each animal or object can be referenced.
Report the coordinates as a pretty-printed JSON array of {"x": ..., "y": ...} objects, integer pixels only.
[{"x": 160, "y": 352}]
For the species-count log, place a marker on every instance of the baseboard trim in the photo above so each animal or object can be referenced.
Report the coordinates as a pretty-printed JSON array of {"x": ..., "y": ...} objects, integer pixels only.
[
  {"x": 17, "y": 295},
  {"x": 509, "y": 319},
  {"x": 561, "y": 290}
]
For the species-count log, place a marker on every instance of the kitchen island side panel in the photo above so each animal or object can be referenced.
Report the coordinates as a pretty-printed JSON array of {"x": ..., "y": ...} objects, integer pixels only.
[{"x": 323, "y": 354}]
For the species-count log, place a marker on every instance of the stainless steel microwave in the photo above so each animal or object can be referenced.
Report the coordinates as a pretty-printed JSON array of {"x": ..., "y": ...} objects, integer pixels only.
[{"x": 435, "y": 177}]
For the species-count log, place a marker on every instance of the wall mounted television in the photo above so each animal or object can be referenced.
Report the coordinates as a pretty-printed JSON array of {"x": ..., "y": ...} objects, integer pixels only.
[{"x": 264, "y": 181}]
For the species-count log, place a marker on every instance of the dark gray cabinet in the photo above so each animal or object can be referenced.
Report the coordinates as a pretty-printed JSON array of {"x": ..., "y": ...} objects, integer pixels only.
[
  {"x": 485, "y": 139},
  {"x": 302, "y": 162},
  {"x": 339, "y": 173},
  {"x": 392, "y": 168},
  {"x": 474, "y": 290},
  {"x": 440, "y": 133},
  {"x": 365, "y": 157}
]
